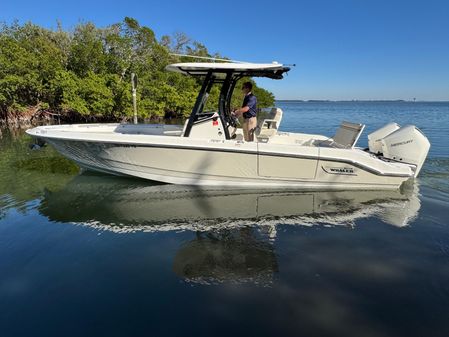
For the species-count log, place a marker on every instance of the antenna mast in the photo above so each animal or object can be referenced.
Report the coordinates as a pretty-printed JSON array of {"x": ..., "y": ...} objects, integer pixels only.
[{"x": 208, "y": 58}]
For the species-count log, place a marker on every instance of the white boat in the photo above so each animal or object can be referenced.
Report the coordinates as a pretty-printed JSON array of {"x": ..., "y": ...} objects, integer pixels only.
[{"x": 209, "y": 148}]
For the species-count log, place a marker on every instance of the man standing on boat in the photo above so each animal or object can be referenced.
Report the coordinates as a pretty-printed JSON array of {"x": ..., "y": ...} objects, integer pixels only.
[{"x": 248, "y": 111}]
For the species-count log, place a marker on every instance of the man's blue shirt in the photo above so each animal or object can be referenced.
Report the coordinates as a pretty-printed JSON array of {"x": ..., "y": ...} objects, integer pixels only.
[{"x": 251, "y": 102}]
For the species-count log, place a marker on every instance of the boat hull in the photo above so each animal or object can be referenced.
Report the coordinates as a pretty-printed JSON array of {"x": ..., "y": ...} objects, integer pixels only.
[{"x": 246, "y": 165}]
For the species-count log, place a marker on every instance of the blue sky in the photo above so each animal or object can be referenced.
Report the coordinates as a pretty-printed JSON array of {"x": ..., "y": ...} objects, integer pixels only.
[{"x": 343, "y": 49}]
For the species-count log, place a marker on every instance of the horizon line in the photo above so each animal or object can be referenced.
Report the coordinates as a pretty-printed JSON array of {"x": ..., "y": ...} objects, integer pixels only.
[{"x": 362, "y": 100}]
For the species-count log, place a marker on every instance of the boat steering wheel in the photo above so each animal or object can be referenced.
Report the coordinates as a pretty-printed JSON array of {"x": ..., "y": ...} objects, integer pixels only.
[{"x": 233, "y": 120}]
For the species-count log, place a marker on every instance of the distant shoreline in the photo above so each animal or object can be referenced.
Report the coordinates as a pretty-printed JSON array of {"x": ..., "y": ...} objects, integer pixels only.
[{"x": 356, "y": 101}]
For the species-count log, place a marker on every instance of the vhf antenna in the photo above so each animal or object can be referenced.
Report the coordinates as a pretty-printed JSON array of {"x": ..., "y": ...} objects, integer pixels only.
[
  {"x": 219, "y": 59},
  {"x": 208, "y": 58}
]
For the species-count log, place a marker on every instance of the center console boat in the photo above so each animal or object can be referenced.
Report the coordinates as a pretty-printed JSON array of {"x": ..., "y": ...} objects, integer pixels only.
[{"x": 209, "y": 148}]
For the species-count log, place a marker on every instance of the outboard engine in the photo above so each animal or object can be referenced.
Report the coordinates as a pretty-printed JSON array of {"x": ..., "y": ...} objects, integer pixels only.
[
  {"x": 408, "y": 145},
  {"x": 375, "y": 138}
]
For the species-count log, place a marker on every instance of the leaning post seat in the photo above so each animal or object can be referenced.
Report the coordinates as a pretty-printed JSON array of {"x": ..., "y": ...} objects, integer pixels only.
[
  {"x": 345, "y": 138},
  {"x": 347, "y": 135},
  {"x": 268, "y": 127}
]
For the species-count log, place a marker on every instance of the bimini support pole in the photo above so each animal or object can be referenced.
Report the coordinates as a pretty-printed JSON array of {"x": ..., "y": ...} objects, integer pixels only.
[{"x": 200, "y": 100}]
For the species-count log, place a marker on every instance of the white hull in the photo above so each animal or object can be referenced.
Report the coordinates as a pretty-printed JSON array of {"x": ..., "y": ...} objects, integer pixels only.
[{"x": 149, "y": 152}]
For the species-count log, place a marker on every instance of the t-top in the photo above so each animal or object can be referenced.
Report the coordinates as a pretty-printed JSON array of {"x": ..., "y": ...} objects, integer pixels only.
[{"x": 251, "y": 102}]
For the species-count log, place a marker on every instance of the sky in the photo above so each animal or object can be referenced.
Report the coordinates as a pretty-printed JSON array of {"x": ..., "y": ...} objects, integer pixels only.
[{"x": 343, "y": 50}]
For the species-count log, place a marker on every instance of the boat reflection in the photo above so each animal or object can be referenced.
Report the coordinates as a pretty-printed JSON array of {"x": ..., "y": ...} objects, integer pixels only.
[
  {"x": 235, "y": 230},
  {"x": 127, "y": 205},
  {"x": 227, "y": 256}
]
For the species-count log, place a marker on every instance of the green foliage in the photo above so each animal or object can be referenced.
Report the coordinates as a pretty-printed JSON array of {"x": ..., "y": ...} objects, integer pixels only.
[
  {"x": 87, "y": 71},
  {"x": 25, "y": 173}
]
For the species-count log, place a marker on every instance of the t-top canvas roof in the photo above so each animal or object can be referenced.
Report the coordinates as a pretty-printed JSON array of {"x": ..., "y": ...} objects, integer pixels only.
[{"x": 272, "y": 70}]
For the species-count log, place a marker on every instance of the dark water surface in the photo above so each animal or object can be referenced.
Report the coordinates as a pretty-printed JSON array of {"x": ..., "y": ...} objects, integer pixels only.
[{"x": 83, "y": 254}]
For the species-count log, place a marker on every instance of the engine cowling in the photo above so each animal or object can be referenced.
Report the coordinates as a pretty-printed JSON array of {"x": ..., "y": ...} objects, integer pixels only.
[
  {"x": 408, "y": 145},
  {"x": 375, "y": 137}
]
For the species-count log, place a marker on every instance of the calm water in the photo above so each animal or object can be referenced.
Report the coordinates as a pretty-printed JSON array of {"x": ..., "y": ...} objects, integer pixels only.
[{"x": 83, "y": 254}]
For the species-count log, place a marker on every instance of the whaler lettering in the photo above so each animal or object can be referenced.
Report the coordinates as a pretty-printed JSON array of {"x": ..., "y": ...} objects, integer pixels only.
[{"x": 341, "y": 170}]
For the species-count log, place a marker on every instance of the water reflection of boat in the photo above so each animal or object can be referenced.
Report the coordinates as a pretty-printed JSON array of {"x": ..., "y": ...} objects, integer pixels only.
[
  {"x": 124, "y": 205},
  {"x": 227, "y": 256},
  {"x": 234, "y": 229}
]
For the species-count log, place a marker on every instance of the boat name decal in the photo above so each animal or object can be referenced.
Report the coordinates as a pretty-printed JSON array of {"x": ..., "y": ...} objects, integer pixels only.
[
  {"x": 124, "y": 145},
  {"x": 339, "y": 170}
]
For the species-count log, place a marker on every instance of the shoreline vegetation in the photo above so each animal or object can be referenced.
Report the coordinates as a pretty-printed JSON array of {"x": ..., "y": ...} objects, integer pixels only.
[{"x": 84, "y": 74}]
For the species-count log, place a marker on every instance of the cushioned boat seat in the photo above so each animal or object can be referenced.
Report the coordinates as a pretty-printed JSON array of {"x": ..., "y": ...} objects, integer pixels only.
[
  {"x": 269, "y": 126},
  {"x": 345, "y": 138}
]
